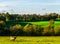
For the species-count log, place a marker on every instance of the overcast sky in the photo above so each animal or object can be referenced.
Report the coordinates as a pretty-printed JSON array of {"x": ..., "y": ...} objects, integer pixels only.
[{"x": 30, "y": 6}]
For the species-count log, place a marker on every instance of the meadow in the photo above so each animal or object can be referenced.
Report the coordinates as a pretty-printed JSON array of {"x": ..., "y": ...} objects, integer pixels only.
[
  {"x": 45, "y": 23},
  {"x": 31, "y": 40},
  {"x": 42, "y": 23}
]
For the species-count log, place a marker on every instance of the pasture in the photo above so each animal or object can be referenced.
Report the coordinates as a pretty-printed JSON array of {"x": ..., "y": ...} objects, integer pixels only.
[
  {"x": 31, "y": 40},
  {"x": 42, "y": 23},
  {"x": 45, "y": 23}
]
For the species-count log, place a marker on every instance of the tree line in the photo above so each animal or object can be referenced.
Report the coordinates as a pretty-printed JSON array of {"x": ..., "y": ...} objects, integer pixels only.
[
  {"x": 29, "y": 30},
  {"x": 29, "y": 17}
]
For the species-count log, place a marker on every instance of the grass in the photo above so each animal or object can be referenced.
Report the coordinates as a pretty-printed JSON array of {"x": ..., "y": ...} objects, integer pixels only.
[
  {"x": 42, "y": 23},
  {"x": 31, "y": 40},
  {"x": 45, "y": 23}
]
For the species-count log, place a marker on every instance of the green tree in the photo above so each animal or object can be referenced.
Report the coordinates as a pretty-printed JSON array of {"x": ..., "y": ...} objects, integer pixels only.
[
  {"x": 7, "y": 16},
  {"x": 27, "y": 29},
  {"x": 16, "y": 29},
  {"x": 49, "y": 30},
  {"x": 57, "y": 30},
  {"x": 2, "y": 26},
  {"x": 37, "y": 30}
]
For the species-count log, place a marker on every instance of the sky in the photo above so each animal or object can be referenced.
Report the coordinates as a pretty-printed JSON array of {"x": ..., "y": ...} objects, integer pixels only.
[{"x": 30, "y": 6}]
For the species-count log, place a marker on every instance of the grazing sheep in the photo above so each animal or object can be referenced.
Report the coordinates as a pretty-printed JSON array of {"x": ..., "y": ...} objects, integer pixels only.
[{"x": 13, "y": 38}]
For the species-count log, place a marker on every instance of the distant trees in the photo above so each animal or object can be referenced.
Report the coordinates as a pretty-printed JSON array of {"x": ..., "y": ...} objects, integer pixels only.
[
  {"x": 2, "y": 17},
  {"x": 58, "y": 18},
  {"x": 29, "y": 17},
  {"x": 7, "y": 16},
  {"x": 28, "y": 29}
]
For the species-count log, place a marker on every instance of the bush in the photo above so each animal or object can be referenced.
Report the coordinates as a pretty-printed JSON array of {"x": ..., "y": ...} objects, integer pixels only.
[
  {"x": 48, "y": 31},
  {"x": 2, "y": 24},
  {"x": 27, "y": 29},
  {"x": 57, "y": 30},
  {"x": 33, "y": 30},
  {"x": 2, "y": 28},
  {"x": 16, "y": 29},
  {"x": 37, "y": 30}
]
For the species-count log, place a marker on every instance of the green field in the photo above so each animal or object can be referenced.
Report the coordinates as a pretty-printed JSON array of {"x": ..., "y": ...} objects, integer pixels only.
[
  {"x": 45, "y": 23},
  {"x": 31, "y": 40},
  {"x": 42, "y": 23}
]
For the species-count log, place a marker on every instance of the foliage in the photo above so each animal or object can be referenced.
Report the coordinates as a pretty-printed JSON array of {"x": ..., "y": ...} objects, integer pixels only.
[
  {"x": 57, "y": 30},
  {"x": 28, "y": 17},
  {"x": 25, "y": 25},
  {"x": 16, "y": 29},
  {"x": 28, "y": 29}
]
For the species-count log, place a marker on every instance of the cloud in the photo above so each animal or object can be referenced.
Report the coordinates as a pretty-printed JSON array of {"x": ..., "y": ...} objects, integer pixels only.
[
  {"x": 3, "y": 5},
  {"x": 26, "y": 3},
  {"x": 33, "y": 5},
  {"x": 49, "y": 3},
  {"x": 7, "y": 5}
]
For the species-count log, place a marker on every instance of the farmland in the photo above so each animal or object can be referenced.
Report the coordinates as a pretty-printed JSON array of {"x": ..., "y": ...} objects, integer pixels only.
[
  {"x": 42, "y": 23},
  {"x": 29, "y": 25},
  {"x": 31, "y": 40},
  {"x": 45, "y": 23}
]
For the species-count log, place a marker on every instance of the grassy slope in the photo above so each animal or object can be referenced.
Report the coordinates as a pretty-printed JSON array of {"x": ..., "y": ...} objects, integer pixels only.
[
  {"x": 42, "y": 23},
  {"x": 31, "y": 40},
  {"x": 45, "y": 23}
]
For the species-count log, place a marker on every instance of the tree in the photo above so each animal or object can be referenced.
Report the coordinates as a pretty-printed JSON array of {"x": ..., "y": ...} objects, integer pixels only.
[
  {"x": 57, "y": 30},
  {"x": 49, "y": 30},
  {"x": 37, "y": 30},
  {"x": 27, "y": 29},
  {"x": 2, "y": 26},
  {"x": 2, "y": 17},
  {"x": 7, "y": 16},
  {"x": 16, "y": 29}
]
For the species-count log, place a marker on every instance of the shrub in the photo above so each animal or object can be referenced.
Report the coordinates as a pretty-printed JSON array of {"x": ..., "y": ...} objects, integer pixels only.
[
  {"x": 57, "y": 30},
  {"x": 2, "y": 26},
  {"x": 37, "y": 29},
  {"x": 16, "y": 29},
  {"x": 47, "y": 31},
  {"x": 27, "y": 29}
]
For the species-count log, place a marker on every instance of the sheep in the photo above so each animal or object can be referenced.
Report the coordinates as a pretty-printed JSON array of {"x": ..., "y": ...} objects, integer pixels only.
[{"x": 13, "y": 38}]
